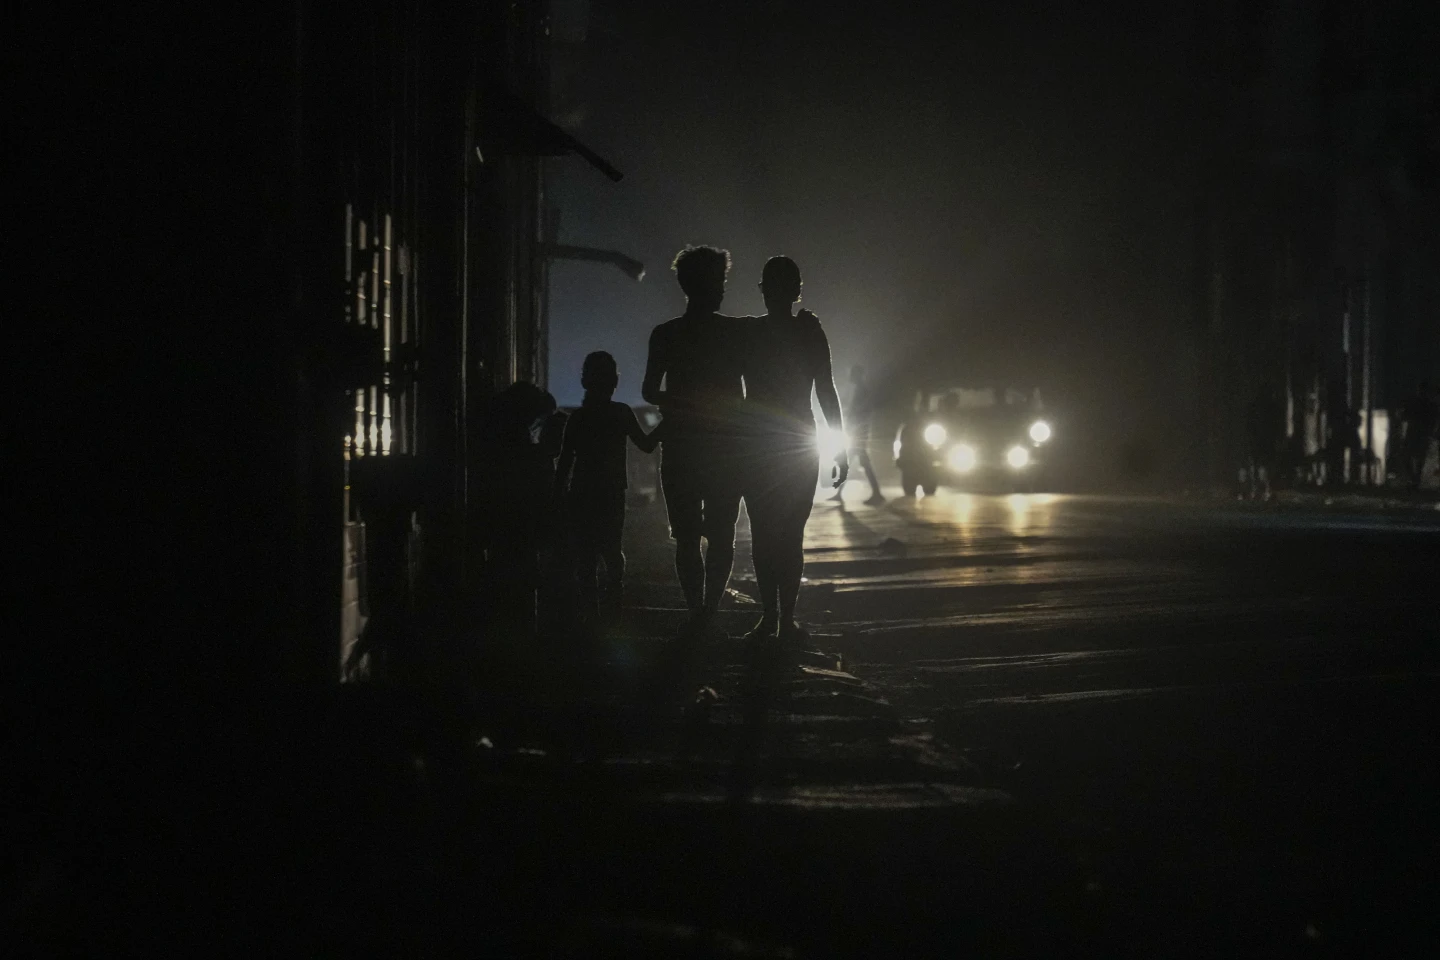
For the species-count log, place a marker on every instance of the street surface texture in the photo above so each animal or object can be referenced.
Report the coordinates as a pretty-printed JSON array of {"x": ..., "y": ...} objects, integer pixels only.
[
  {"x": 1032, "y": 725},
  {"x": 1157, "y": 726}
]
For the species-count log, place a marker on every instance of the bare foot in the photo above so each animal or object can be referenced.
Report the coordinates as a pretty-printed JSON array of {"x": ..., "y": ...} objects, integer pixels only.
[
  {"x": 763, "y": 630},
  {"x": 793, "y": 634}
]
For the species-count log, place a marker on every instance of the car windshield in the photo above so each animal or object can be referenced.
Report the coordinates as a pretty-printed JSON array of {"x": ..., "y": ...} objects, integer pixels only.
[{"x": 993, "y": 420}]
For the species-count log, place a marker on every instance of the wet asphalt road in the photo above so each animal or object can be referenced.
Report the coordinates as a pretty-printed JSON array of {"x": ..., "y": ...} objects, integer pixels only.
[{"x": 1234, "y": 707}]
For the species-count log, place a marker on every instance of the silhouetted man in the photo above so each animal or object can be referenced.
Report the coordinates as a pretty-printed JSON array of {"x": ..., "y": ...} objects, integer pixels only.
[
  {"x": 859, "y": 415},
  {"x": 693, "y": 376},
  {"x": 787, "y": 357}
]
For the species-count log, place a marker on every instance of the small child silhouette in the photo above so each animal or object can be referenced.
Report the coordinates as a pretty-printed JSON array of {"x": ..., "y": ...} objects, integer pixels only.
[{"x": 591, "y": 480}]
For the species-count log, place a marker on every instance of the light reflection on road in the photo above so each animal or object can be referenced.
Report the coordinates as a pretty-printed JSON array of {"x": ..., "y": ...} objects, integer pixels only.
[
  {"x": 947, "y": 517},
  {"x": 1030, "y": 512},
  {"x": 964, "y": 508},
  {"x": 1035, "y": 524},
  {"x": 949, "y": 541}
]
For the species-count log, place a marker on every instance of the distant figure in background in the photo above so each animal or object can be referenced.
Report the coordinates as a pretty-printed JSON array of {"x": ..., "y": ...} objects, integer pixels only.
[
  {"x": 692, "y": 374},
  {"x": 786, "y": 357},
  {"x": 1264, "y": 432},
  {"x": 860, "y": 416},
  {"x": 1340, "y": 424},
  {"x": 515, "y": 494},
  {"x": 590, "y": 484},
  {"x": 1420, "y": 416}
]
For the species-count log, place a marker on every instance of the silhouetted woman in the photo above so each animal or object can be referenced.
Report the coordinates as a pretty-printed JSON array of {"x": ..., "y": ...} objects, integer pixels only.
[{"x": 786, "y": 357}]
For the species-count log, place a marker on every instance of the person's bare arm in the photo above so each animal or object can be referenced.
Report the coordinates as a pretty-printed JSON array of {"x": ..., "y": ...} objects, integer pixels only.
[
  {"x": 825, "y": 391},
  {"x": 656, "y": 364},
  {"x": 645, "y": 441},
  {"x": 828, "y": 397}
]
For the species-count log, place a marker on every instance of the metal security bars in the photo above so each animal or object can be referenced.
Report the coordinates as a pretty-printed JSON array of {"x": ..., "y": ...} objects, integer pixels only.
[{"x": 380, "y": 306}]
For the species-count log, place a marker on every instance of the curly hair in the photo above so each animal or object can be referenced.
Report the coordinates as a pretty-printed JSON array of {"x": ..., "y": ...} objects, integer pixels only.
[{"x": 701, "y": 269}]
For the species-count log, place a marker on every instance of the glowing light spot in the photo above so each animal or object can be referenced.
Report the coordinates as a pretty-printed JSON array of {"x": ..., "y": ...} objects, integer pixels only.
[
  {"x": 961, "y": 458},
  {"x": 964, "y": 507},
  {"x": 831, "y": 443},
  {"x": 1017, "y": 457}
]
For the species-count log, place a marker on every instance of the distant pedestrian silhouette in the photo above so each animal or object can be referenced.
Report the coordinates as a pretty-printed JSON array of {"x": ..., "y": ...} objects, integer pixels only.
[
  {"x": 692, "y": 375},
  {"x": 786, "y": 357},
  {"x": 1264, "y": 438},
  {"x": 1420, "y": 415},
  {"x": 591, "y": 480},
  {"x": 859, "y": 417}
]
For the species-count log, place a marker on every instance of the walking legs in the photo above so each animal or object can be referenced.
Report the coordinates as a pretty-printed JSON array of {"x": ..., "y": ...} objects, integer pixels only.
[{"x": 690, "y": 570}]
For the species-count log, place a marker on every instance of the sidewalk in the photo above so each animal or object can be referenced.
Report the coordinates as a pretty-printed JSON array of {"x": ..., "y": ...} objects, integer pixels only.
[
  {"x": 1342, "y": 498},
  {"x": 1361, "y": 498}
]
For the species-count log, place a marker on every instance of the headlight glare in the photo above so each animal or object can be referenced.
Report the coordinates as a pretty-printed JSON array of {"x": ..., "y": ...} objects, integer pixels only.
[
  {"x": 961, "y": 458},
  {"x": 1017, "y": 457},
  {"x": 1039, "y": 431},
  {"x": 934, "y": 435},
  {"x": 831, "y": 443}
]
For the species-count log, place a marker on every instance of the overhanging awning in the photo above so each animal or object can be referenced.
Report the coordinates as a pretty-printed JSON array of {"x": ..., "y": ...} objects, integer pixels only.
[{"x": 508, "y": 126}]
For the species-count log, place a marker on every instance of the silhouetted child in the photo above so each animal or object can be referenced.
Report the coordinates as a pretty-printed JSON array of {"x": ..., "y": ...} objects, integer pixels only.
[{"x": 591, "y": 480}]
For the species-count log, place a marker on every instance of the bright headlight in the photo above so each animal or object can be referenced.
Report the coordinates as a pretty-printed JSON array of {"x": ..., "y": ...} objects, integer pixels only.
[
  {"x": 1039, "y": 431},
  {"x": 934, "y": 434},
  {"x": 1017, "y": 457},
  {"x": 961, "y": 458},
  {"x": 831, "y": 443}
]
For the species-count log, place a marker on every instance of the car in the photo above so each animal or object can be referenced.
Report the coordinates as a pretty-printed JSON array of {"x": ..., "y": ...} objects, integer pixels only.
[{"x": 973, "y": 437}]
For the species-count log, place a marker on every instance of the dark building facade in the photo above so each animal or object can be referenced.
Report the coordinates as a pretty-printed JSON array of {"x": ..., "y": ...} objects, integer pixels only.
[
  {"x": 1319, "y": 234},
  {"x": 282, "y": 258},
  {"x": 421, "y": 142}
]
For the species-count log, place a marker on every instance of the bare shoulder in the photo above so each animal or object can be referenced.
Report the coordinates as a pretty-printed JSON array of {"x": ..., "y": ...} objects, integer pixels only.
[
  {"x": 665, "y": 329},
  {"x": 811, "y": 327}
]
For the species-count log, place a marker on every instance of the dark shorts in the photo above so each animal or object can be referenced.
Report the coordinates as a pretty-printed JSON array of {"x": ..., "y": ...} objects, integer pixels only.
[
  {"x": 701, "y": 485},
  {"x": 780, "y": 489},
  {"x": 597, "y": 521}
]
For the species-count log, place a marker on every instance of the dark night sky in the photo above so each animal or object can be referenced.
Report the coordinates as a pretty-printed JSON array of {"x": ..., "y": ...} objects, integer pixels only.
[{"x": 1006, "y": 184}]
